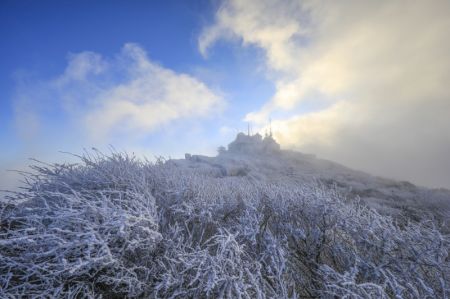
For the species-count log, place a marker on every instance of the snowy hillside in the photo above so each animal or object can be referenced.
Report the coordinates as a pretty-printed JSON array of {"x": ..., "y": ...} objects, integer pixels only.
[
  {"x": 253, "y": 222},
  {"x": 388, "y": 196}
]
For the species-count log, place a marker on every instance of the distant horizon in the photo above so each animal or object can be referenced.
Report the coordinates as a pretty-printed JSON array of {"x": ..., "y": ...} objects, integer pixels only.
[{"x": 71, "y": 157}]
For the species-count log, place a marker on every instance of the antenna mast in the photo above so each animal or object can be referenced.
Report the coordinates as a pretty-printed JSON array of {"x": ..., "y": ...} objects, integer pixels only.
[{"x": 270, "y": 126}]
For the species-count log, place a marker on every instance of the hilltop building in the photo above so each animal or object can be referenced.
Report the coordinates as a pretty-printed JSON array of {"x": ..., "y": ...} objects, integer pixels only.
[{"x": 253, "y": 143}]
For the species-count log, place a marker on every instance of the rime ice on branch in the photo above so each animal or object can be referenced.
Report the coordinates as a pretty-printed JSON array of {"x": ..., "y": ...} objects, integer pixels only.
[{"x": 114, "y": 227}]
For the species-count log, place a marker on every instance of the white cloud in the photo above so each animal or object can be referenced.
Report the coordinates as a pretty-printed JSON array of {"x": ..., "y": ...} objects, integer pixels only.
[
  {"x": 127, "y": 96},
  {"x": 151, "y": 96},
  {"x": 382, "y": 67},
  {"x": 82, "y": 64}
]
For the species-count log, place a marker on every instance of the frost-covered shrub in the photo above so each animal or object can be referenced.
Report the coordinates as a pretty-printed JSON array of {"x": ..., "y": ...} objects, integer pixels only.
[
  {"x": 79, "y": 230},
  {"x": 115, "y": 226}
]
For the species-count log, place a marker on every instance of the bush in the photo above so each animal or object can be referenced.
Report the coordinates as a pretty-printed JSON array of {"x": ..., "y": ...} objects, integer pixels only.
[{"x": 114, "y": 226}]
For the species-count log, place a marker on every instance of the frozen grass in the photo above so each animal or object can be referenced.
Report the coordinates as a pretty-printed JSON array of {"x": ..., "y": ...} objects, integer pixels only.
[{"x": 114, "y": 226}]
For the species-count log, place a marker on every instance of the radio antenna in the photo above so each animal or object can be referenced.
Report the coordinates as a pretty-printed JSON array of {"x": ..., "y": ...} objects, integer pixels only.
[{"x": 270, "y": 126}]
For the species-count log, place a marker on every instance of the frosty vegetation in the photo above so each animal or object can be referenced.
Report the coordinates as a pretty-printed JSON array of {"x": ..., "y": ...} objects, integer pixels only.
[{"x": 113, "y": 226}]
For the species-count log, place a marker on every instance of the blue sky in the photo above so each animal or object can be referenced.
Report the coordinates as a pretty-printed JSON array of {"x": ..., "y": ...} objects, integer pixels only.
[
  {"x": 38, "y": 38},
  {"x": 363, "y": 83}
]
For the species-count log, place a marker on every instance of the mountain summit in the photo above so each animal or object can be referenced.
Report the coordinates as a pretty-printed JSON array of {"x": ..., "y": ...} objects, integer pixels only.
[
  {"x": 262, "y": 159},
  {"x": 253, "y": 144}
]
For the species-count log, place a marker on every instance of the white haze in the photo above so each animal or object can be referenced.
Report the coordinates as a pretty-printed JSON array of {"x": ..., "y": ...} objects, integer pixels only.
[{"x": 360, "y": 82}]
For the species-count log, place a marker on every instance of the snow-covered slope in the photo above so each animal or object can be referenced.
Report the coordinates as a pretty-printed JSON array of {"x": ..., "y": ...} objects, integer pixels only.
[
  {"x": 253, "y": 222},
  {"x": 388, "y": 196}
]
